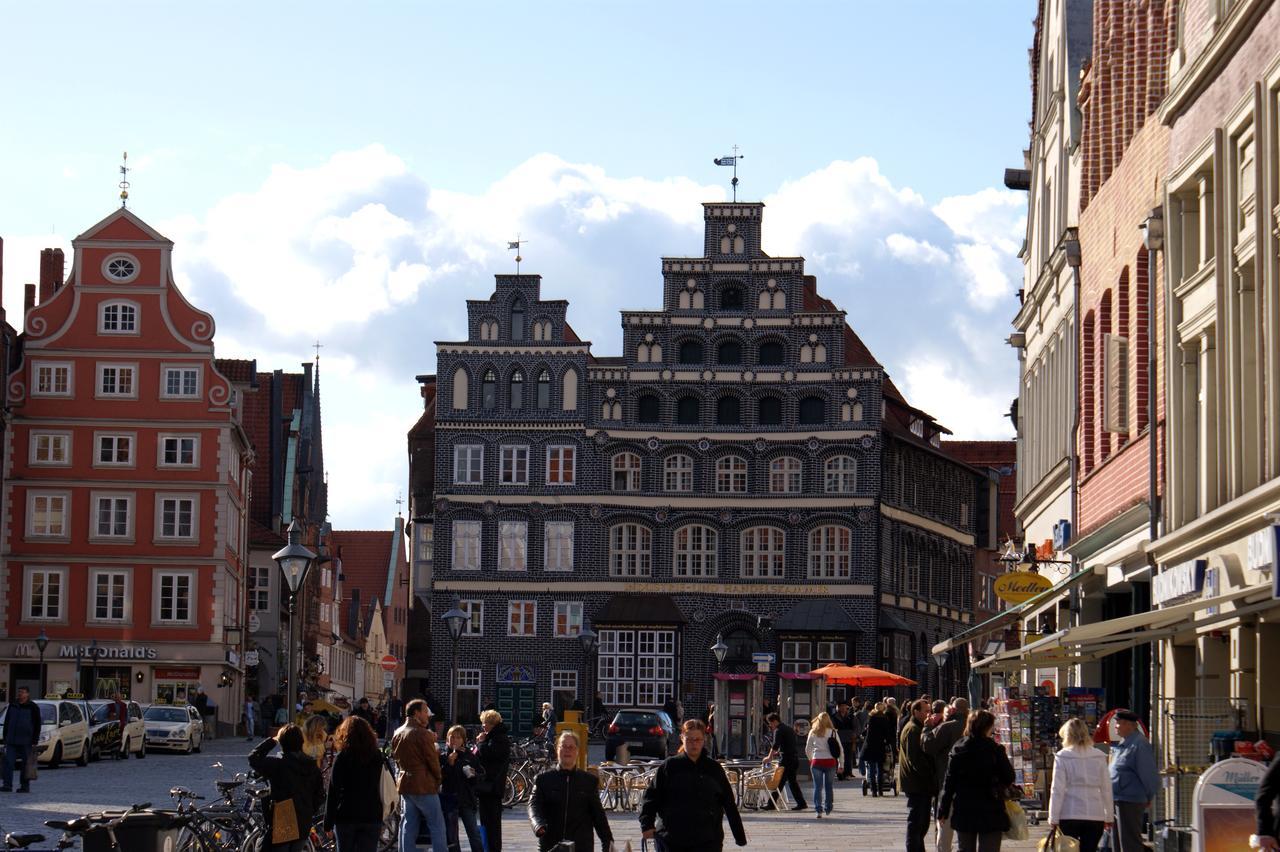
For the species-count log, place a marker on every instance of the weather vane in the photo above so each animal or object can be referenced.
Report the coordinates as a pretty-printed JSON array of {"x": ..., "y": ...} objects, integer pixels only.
[
  {"x": 514, "y": 245},
  {"x": 732, "y": 161},
  {"x": 124, "y": 180}
]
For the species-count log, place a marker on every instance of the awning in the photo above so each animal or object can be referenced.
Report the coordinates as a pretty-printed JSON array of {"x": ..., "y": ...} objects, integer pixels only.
[
  {"x": 732, "y": 676},
  {"x": 999, "y": 622},
  {"x": 816, "y": 614},
  {"x": 890, "y": 620},
  {"x": 641, "y": 609}
]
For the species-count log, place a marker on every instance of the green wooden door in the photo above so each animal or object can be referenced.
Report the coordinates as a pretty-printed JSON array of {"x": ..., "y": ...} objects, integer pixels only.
[{"x": 516, "y": 704}]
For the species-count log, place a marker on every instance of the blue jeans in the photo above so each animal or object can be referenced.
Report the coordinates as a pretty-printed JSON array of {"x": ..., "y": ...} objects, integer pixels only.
[
  {"x": 453, "y": 812},
  {"x": 871, "y": 771},
  {"x": 11, "y": 756},
  {"x": 823, "y": 777},
  {"x": 416, "y": 809},
  {"x": 357, "y": 836}
]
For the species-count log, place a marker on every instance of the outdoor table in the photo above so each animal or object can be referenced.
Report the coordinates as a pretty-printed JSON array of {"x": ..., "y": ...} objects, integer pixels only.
[{"x": 741, "y": 766}]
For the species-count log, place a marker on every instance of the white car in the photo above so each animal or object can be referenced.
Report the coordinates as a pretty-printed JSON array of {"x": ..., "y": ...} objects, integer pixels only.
[
  {"x": 64, "y": 732},
  {"x": 174, "y": 727},
  {"x": 106, "y": 732}
]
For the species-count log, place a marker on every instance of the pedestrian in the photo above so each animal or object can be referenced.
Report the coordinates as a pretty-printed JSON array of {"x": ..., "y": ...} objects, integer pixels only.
[
  {"x": 20, "y": 732},
  {"x": 1134, "y": 781},
  {"x": 686, "y": 802},
  {"x": 875, "y": 748},
  {"x": 315, "y": 739},
  {"x": 296, "y": 785},
  {"x": 1080, "y": 799},
  {"x": 1267, "y": 805},
  {"x": 250, "y": 717},
  {"x": 787, "y": 752},
  {"x": 494, "y": 750},
  {"x": 710, "y": 732},
  {"x": 362, "y": 710},
  {"x": 565, "y": 806},
  {"x": 353, "y": 805},
  {"x": 549, "y": 725},
  {"x": 938, "y": 742},
  {"x": 826, "y": 753},
  {"x": 916, "y": 775},
  {"x": 973, "y": 794},
  {"x": 846, "y": 727},
  {"x": 457, "y": 794},
  {"x": 119, "y": 713},
  {"x": 414, "y": 747}
]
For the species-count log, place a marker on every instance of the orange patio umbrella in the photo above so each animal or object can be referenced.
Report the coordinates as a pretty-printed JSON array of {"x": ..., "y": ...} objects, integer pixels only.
[{"x": 836, "y": 673}]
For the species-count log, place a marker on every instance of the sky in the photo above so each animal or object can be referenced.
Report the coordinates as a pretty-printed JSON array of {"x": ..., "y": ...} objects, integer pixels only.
[{"x": 350, "y": 174}]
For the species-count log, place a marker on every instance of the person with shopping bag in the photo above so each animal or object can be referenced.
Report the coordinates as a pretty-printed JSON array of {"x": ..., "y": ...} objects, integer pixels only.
[
  {"x": 297, "y": 790},
  {"x": 1080, "y": 802},
  {"x": 21, "y": 733},
  {"x": 685, "y": 805},
  {"x": 973, "y": 792}
]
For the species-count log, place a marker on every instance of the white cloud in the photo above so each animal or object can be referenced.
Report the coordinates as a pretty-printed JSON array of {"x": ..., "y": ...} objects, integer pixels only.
[
  {"x": 914, "y": 251},
  {"x": 967, "y": 408}
]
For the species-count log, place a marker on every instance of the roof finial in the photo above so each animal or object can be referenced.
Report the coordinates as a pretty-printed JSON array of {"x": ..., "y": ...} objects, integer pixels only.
[
  {"x": 317, "y": 346},
  {"x": 514, "y": 245},
  {"x": 124, "y": 180},
  {"x": 732, "y": 161},
  {"x": 399, "y": 503}
]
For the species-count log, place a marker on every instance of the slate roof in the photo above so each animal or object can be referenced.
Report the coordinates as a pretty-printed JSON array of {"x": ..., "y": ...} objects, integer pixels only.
[
  {"x": 641, "y": 609},
  {"x": 816, "y": 614}
]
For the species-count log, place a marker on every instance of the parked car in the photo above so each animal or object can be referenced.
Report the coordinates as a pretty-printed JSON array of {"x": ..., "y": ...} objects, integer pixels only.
[
  {"x": 174, "y": 727},
  {"x": 64, "y": 732},
  {"x": 644, "y": 732},
  {"x": 106, "y": 732}
]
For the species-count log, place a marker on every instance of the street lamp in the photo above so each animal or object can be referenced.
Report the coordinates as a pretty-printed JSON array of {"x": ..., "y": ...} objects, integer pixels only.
[
  {"x": 93, "y": 668},
  {"x": 42, "y": 642},
  {"x": 588, "y": 638},
  {"x": 455, "y": 618},
  {"x": 294, "y": 561},
  {"x": 721, "y": 651}
]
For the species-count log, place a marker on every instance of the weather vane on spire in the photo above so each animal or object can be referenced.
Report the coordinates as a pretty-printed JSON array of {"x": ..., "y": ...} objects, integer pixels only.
[
  {"x": 514, "y": 245},
  {"x": 124, "y": 180},
  {"x": 732, "y": 161}
]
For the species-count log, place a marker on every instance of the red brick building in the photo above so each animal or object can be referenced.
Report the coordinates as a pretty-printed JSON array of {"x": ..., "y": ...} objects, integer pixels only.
[
  {"x": 374, "y": 568},
  {"x": 127, "y": 483}
]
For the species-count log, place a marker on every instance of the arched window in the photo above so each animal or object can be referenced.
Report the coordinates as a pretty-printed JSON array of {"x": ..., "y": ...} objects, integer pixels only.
[
  {"x": 731, "y": 475},
  {"x": 784, "y": 475},
  {"x": 841, "y": 475},
  {"x": 648, "y": 409},
  {"x": 728, "y": 412},
  {"x": 813, "y": 409},
  {"x": 517, "y": 390},
  {"x": 763, "y": 552},
  {"x": 771, "y": 352},
  {"x": 118, "y": 318},
  {"x": 769, "y": 411},
  {"x": 729, "y": 352},
  {"x": 626, "y": 472},
  {"x": 544, "y": 389},
  {"x": 689, "y": 411},
  {"x": 691, "y": 352},
  {"x": 460, "y": 389},
  {"x": 569, "y": 390},
  {"x": 829, "y": 553},
  {"x": 731, "y": 298},
  {"x": 630, "y": 550},
  {"x": 677, "y": 473},
  {"x": 695, "y": 551},
  {"x": 517, "y": 320},
  {"x": 489, "y": 390}
]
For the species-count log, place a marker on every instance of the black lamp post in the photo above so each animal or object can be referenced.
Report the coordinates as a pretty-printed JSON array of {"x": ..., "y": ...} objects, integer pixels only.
[
  {"x": 42, "y": 642},
  {"x": 588, "y": 638},
  {"x": 721, "y": 651},
  {"x": 93, "y": 669},
  {"x": 294, "y": 561},
  {"x": 455, "y": 618}
]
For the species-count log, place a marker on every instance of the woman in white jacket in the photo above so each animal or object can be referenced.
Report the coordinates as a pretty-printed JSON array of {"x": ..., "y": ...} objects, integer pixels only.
[
  {"x": 823, "y": 761},
  {"x": 1080, "y": 803}
]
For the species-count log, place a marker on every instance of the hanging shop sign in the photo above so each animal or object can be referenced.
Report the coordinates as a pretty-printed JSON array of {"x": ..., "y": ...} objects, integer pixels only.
[
  {"x": 1222, "y": 805},
  {"x": 1178, "y": 583},
  {"x": 1021, "y": 586}
]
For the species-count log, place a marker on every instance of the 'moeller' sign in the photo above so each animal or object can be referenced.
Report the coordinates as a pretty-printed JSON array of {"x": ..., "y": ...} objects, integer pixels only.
[{"x": 1021, "y": 586}]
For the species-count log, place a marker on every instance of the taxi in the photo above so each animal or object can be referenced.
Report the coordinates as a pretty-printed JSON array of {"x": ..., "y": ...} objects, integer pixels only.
[
  {"x": 64, "y": 731},
  {"x": 108, "y": 738},
  {"x": 175, "y": 727}
]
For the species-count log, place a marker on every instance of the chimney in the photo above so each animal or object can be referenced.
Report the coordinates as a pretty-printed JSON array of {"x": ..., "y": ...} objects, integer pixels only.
[
  {"x": 52, "y": 270},
  {"x": 28, "y": 302}
]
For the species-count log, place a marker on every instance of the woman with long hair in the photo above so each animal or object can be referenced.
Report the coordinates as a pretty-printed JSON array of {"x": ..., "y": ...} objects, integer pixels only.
[
  {"x": 689, "y": 797},
  {"x": 353, "y": 805},
  {"x": 315, "y": 738},
  {"x": 825, "y": 754},
  {"x": 875, "y": 748},
  {"x": 1080, "y": 803},
  {"x": 973, "y": 792}
]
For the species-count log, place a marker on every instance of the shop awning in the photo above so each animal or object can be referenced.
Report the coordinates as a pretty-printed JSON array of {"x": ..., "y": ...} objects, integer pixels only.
[
  {"x": 999, "y": 622},
  {"x": 641, "y": 609},
  {"x": 822, "y": 614},
  {"x": 734, "y": 676}
]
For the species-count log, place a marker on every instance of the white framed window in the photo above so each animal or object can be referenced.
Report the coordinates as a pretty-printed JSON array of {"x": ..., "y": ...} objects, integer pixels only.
[
  {"x": 109, "y": 595},
  {"x": 636, "y": 667},
  {"x": 832, "y": 652},
  {"x": 120, "y": 267},
  {"x": 474, "y": 625},
  {"x": 44, "y": 594},
  {"x": 784, "y": 475},
  {"x": 695, "y": 551},
  {"x": 51, "y": 378},
  {"x": 564, "y": 686},
  {"x": 179, "y": 382},
  {"x": 522, "y": 617},
  {"x": 118, "y": 318},
  {"x": 829, "y": 553},
  {"x": 468, "y": 464},
  {"x": 117, "y": 380},
  {"x": 113, "y": 449},
  {"x": 630, "y": 550},
  {"x": 47, "y": 514},
  {"x": 560, "y": 465},
  {"x": 677, "y": 473},
  {"x": 558, "y": 545},
  {"x": 49, "y": 449},
  {"x": 568, "y": 623},
  {"x": 466, "y": 546},
  {"x": 112, "y": 516},
  {"x": 513, "y": 541},
  {"x": 514, "y": 465},
  {"x": 731, "y": 475},
  {"x": 179, "y": 451},
  {"x": 626, "y": 472},
  {"x": 259, "y": 587},
  {"x": 176, "y": 516},
  {"x": 174, "y": 592},
  {"x": 841, "y": 475},
  {"x": 763, "y": 552}
]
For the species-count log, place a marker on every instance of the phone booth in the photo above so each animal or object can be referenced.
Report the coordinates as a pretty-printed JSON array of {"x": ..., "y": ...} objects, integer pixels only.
[
  {"x": 801, "y": 696},
  {"x": 738, "y": 700}
]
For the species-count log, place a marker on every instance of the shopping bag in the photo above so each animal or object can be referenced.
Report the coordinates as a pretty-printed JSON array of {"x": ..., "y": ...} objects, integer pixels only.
[
  {"x": 1019, "y": 828},
  {"x": 387, "y": 791},
  {"x": 284, "y": 822},
  {"x": 29, "y": 771},
  {"x": 1056, "y": 841}
]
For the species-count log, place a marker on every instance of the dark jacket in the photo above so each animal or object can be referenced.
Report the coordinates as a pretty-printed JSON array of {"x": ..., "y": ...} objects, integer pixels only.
[
  {"x": 938, "y": 743},
  {"x": 495, "y": 758},
  {"x": 973, "y": 792},
  {"x": 879, "y": 738},
  {"x": 784, "y": 740},
  {"x": 684, "y": 804},
  {"x": 11, "y": 719},
  {"x": 566, "y": 806},
  {"x": 414, "y": 748},
  {"x": 456, "y": 783},
  {"x": 846, "y": 726},
  {"x": 1268, "y": 802},
  {"x": 355, "y": 790},
  {"x": 292, "y": 776},
  {"x": 916, "y": 773}
]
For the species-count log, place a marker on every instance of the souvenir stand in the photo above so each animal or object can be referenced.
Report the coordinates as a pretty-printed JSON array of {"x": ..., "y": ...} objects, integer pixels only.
[{"x": 1013, "y": 731}]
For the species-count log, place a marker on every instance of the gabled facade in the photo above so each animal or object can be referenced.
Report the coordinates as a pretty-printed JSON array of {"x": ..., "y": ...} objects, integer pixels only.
[{"x": 372, "y": 568}]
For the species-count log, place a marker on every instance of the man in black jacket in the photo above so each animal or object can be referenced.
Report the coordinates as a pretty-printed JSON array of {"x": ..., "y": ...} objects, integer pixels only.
[
  {"x": 846, "y": 729},
  {"x": 21, "y": 733},
  {"x": 566, "y": 802},
  {"x": 916, "y": 775},
  {"x": 1268, "y": 806},
  {"x": 937, "y": 743},
  {"x": 787, "y": 751}
]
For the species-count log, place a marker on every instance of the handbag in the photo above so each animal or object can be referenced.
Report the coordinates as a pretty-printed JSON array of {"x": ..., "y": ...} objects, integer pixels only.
[
  {"x": 833, "y": 745},
  {"x": 387, "y": 790},
  {"x": 1019, "y": 828},
  {"x": 1056, "y": 841},
  {"x": 284, "y": 822},
  {"x": 29, "y": 771}
]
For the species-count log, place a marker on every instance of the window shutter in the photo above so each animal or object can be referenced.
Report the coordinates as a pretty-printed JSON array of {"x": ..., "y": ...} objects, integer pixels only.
[{"x": 1115, "y": 367}]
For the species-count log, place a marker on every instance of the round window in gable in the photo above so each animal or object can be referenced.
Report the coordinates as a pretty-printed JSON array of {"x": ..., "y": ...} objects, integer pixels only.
[{"x": 120, "y": 267}]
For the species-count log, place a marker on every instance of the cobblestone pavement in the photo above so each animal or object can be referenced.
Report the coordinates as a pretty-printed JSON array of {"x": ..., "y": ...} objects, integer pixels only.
[{"x": 859, "y": 824}]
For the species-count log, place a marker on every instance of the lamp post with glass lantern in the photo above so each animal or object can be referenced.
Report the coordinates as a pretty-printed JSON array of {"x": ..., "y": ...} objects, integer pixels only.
[
  {"x": 455, "y": 618},
  {"x": 42, "y": 642},
  {"x": 294, "y": 561},
  {"x": 588, "y": 638},
  {"x": 721, "y": 651}
]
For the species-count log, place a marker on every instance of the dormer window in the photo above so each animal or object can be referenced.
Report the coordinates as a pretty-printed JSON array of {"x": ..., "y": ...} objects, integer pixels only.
[
  {"x": 517, "y": 320},
  {"x": 489, "y": 391}
]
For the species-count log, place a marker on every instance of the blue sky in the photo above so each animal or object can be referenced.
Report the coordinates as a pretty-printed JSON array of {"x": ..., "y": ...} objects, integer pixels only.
[{"x": 356, "y": 169}]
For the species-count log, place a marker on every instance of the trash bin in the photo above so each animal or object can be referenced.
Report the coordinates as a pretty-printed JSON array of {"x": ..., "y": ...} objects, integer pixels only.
[{"x": 145, "y": 831}]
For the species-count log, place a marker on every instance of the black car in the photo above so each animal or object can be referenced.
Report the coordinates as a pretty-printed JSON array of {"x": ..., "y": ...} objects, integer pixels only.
[{"x": 644, "y": 732}]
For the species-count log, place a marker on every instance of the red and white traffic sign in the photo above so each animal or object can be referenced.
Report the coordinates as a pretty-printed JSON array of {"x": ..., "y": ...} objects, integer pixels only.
[{"x": 389, "y": 663}]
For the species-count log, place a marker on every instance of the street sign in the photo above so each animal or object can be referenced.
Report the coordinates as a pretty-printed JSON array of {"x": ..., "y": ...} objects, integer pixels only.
[
  {"x": 250, "y": 659},
  {"x": 387, "y": 680},
  {"x": 255, "y": 622},
  {"x": 764, "y": 657},
  {"x": 762, "y": 666},
  {"x": 389, "y": 663}
]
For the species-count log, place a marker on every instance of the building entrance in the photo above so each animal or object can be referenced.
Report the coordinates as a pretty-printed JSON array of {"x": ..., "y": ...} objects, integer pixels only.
[{"x": 516, "y": 704}]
